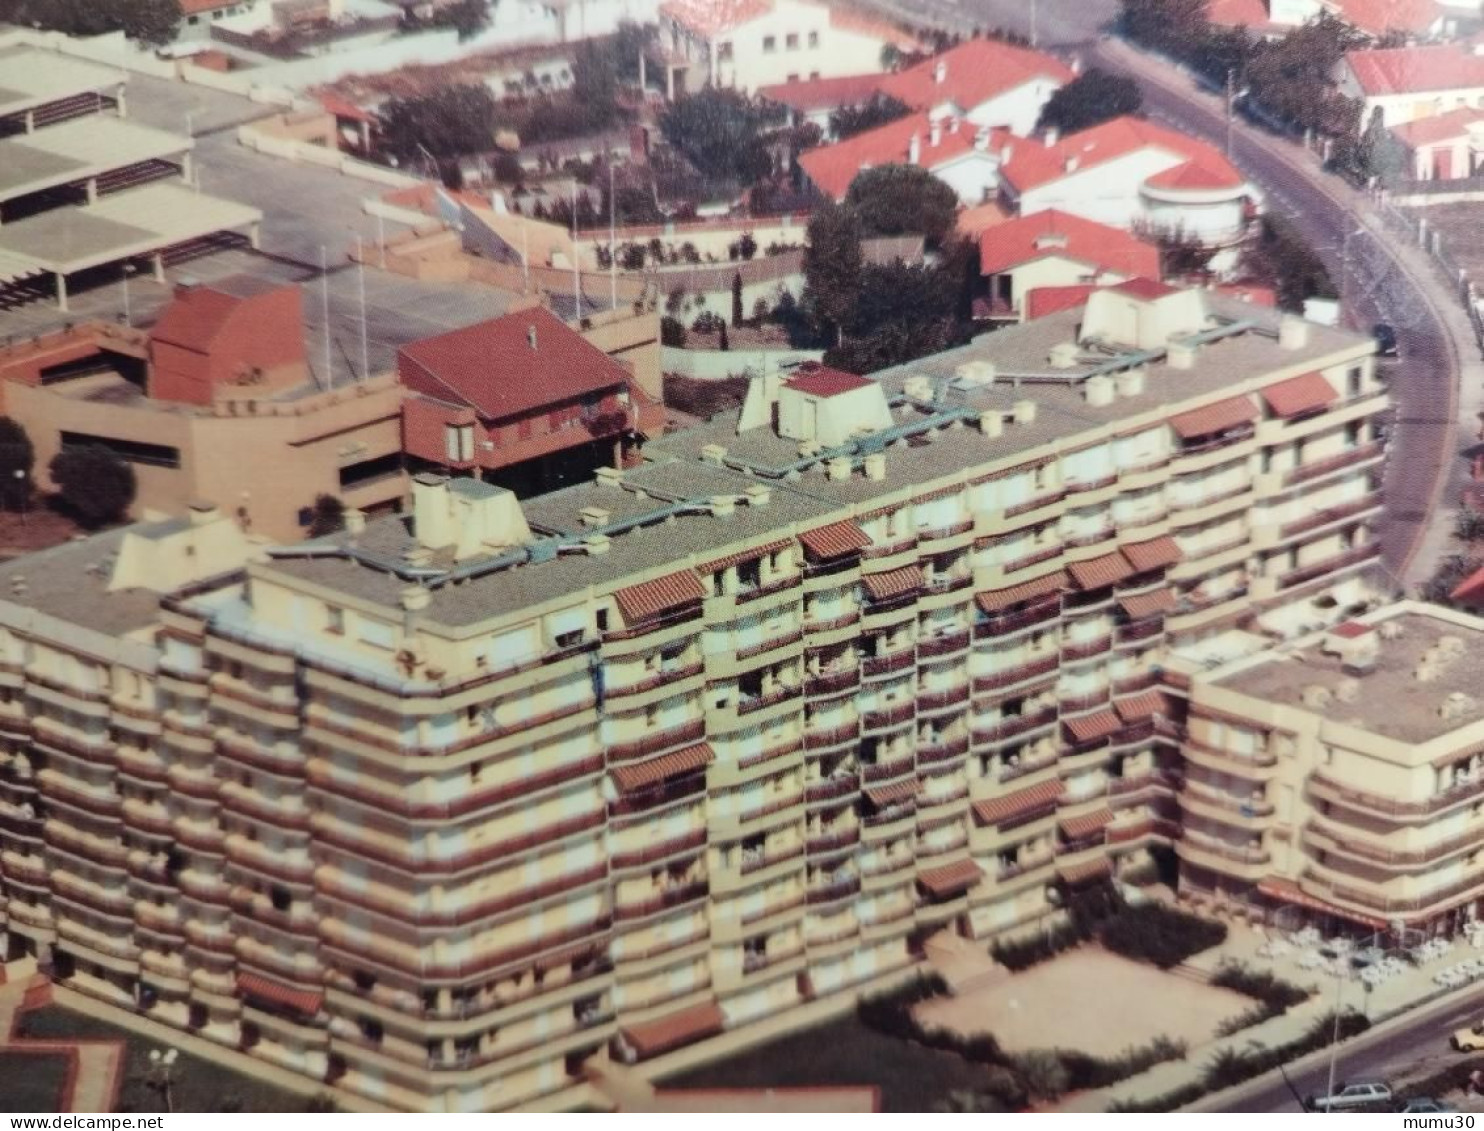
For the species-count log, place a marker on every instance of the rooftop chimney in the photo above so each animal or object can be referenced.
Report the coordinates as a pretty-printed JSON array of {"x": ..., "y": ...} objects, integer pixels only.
[
  {"x": 202, "y": 513},
  {"x": 935, "y": 133},
  {"x": 1293, "y": 332},
  {"x": 940, "y": 72},
  {"x": 914, "y": 150},
  {"x": 1052, "y": 135},
  {"x": 355, "y": 521},
  {"x": 531, "y": 334},
  {"x": 1007, "y": 150}
]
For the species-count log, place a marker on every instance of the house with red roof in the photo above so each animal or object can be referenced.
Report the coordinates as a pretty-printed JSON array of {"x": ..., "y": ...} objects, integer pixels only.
[
  {"x": 197, "y": 16},
  {"x": 1054, "y": 249},
  {"x": 963, "y": 156},
  {"x": 987, "y": 82},
  {"x": 749, "y": 44},
  {"x": 524, "y": 397},
  {"x": 816, "y": 100},
  {"x": 1444, "y": 146},
  {"x": 1374, "y": 18},
  {"x": 1406, "y": 84},
  {"x": 1130, "y": 173}
]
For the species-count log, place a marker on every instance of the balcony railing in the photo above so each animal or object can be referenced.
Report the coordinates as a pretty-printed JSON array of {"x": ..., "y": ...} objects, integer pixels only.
[
  {"x": 834, "y": 736},
  {"x": 1345, "y": 843},
  {"x": 889, "y": 549},
  {"x": 936, "y": 700},
  {"x": 1238, "y": 853},
  {"x": 1034, "y": 504},
  {"x": 929, "y": 753},
  {"x": 1027, "y": 766},
  {"x": 676, "y": 896},
  {"x": 769, "y": 645},
  {"x": 1016, "y": 725},
  {"x": 832, "y": 624},
  {"x": 1086, "y": 649},
  {"x": 658, "y": 679},
  {"x": 1328, "y": 515},
  {"x": 831, "y": 683},
  {"x": 772, "y": 698},
  {"x": 889, "y": 716},
  {"x": 885, "y": 771},
  {"x": 937, "y": 534},
  {"x": 662, "y": 851},
  {"x": 944, "y": 645},
  {"x": 843, "y": 786},
  {"x": 818, "y": 844},
  {"x": 654, "y": 743},
  {"x": 1358, "y": 454},
  {"x": 894, "y": 662},
  {"x": 1002, "y": 624},
  {"x": 1329, "y": 565},
  {"x": 840, "y": 889},
  {"x": 1326, "y": 788},
  {"x": 1386, "y": 905},
  {"x": 757, "y": 592}
]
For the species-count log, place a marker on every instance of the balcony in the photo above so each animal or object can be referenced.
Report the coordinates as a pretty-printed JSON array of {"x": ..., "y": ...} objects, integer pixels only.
[
  {"x": 888, "y": 549},
  {"x": 886, "y": 771},
  {"x": 676, "y": 896},
  {"x": 944, "y": 645},
  {"x": 757, "y": 862},
  {"x": 654, "y": 853},
  {"x": 1329, "y": 515},
  {"x": 1201, "y": 843},
  {"x": 1003, "y": 624},
  {"x": 1013, "y": 726},
  {"x": 1258, "y": 764},
  {"x": 889, "y": 717},
  {"x": 893, "y": 662},
  {"x": 1138, "y": 631},
  {"x": 1012, "y": 676},
  {"x": 1329, "y": 565},
  {"x": 1341, "y": 842},
  {"x": 1037, "y": 503},
  {"x": 1327, "y": 789},
  {"x": 832, "y": 624},
  {"x": 757, "y": 592},
  {"x": 1035, "y": 557},
  {"x": 834, "y": 892},
  {"x": 654, "y": 624},
  {"x": 832, "y": 683},
  {"x": 937, "y": 534},
  {"x": 931, "y": 753},
  {"x": 780, "y": 694},
  {"x": 658, "y": 679},
  {"x": 938, "y": 700},
  {"x": 1086, "y": 649},
  {"x": 1203, "y": 445},
  {"x": 652, "y": 744},
  {"x": 834, "y": 736},
  {"x": 1387, "y": 906},
  {"x": 1025, "y": 767},
  {"x": 770, "y": 645},
  {"x": 820, "y": 844},
  {"x": 847, "y": 785},
  {"x": 1361, "y": 453},
  {"x": 1222, "y": 806}
]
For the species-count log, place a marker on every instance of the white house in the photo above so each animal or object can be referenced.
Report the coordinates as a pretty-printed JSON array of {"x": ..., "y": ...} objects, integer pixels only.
[
  {"x": 1444, "y": 146},
  {"x": 748, "y": 44},
  {"x": 987, "y": 82},
  {"x": 1409, "y": 83},
  {"x": 1419, "y": 19},
  {"x": 1130, "y": 173},
  {"x": 963, "y": 156},
  {"x": 197, "y": 16}
]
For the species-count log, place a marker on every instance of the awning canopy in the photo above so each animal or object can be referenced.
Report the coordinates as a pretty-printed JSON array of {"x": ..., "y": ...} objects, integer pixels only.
[
  {"x": 643, "y": 775},
  {"x": 1076, "y": 828},
  {"x": 1075, "y": 875},
  {"x": 950, "y": 879},
  {"x": 263, "y": 989},
  {"x": 893, "y": 583},
  {"x": 651, "y": 598},
  {"x": 749, "y": 555},
  {"x": 1020, "y": 803},
  {"x": 884, "y": 795},
  {"x": 834, "y": 541},
  {"x": 1296, "y": 396},
  {"x": 1087, "y": 728},
  {"x": 997, "y": 600},
  {"x": 1286, "y": 891},
  {"x": 650, "y": 1038},
  {"x": 1143, "y": 705},
  {"x": 1147, "y": 604},
  {"x": 1157, "y": 553},
  {"x": 1098, "y": 573},
  {"x": 1213, "y": 418}
]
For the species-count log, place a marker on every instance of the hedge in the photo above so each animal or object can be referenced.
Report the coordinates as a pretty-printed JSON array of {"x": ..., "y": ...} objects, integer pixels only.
[
  {"x": 1274, "y": 995},
  {"x": 1160, "y": 935}
]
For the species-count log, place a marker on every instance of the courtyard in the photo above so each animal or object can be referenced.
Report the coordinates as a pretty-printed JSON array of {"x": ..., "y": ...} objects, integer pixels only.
[{"x": 1089, "y": 1000}]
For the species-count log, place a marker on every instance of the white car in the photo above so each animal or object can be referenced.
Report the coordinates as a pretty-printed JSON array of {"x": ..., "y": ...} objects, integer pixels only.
[{"x": 1351, "y": 1097}]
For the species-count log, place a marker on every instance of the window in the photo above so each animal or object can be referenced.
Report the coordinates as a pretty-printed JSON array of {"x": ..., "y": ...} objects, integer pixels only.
[
  {"x": 130, "y": 451},
  {"x": 793, "y": 76},
  {"x": 458, "y": 441},
  {"x": 280, "y": 898},
  {"x": 334, "y": 620},
  {"x": 193, "y": 20},
  {"x": 724, "y": 50},
  {"x": 814, "y": 42},
  {"x": 813, "y": 76},
  {"x": 770, "y": 43},
  {"x": 791, "y": 42},
  {"x": 1352, "y": 381}
]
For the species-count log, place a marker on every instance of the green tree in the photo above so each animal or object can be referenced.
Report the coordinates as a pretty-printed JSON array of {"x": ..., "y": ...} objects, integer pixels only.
[
  {"x": 832, "y": 267},
  {"x": 96, "y": 485},
  {"x": 672, "y": 332},
  {"x": 327, "y": 516},
  {"x": 723, "y": 133},
  {"x": 895, "y": 200},
  {"x": 448, "y": 122},
  {"x": 1044, "y": 1073},
  {"x": 876, "y": 111},
  {"x": 1092, "y": 97},
  {"x": 1171, "y": 26},
  {"x": 1291, "y": 77},
  {"x": 17, "y": 458},
  {"x": 468, "y": 17},
  {"x": 737, "y": 311},
  {"x": 149, "y": 21},
  {"x": 1279, "y": 257}
]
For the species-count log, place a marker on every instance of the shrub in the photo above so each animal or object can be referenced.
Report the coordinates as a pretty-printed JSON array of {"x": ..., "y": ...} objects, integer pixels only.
[
  {"x": 1044, "y": 1073},
  {"x": 96, "y": 485},
  {"x": 1019, "y": 955},
  {"x": 672, "y": 332},
  {"x": 1087, "y": 1071},
  {"x": 1260, "y": 984},
  {"x": 708, "y": 323},
  {"x": 1159, "y": 935}
]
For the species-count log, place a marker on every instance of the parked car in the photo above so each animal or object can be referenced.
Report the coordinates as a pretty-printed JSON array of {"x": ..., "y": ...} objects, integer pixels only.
[
  {"x": 1357, "y": 1096},
  {"x": 1421, "y": 1105},
  {"x": 1385, "y": 339},
  {"x": 1470, "y": 1039}
]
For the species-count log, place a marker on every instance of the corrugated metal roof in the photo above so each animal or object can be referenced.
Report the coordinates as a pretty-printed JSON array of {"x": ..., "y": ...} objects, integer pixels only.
[
  {"x": 1143, "y": 705},
  {"x": 1075, "y": 828},
  {"x": 1157, "y": 553},
  {"x": 948, "y": 878},
  {"x": 1147, "y": 604},
  {"x": 1099, "y": 724},
  {"x": 650, "y": 1038},
  {"x": 1100, "y": 572},
  {"x": 749, "y": 555},
  {"x": 883, "y": 795},
  {"x": 306, "y": 1002}
]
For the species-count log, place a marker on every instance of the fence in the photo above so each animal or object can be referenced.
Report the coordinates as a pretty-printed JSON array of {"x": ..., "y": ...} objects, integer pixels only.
[
  {"x": 716, "y": 364},
  {"x": 1430, "y": 240}
]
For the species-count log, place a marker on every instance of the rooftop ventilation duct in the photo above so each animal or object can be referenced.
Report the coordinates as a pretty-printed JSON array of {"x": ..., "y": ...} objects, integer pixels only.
[
  {"x": 980, "y": 371},
  {"x": 1131, "y": 382},
  {"x": 874, "y": 466},
  {"x": 1181, "y": 355},
  {"x": 1024, "y": 411},
  {"x": 992, "y": 423},
  {"x": 1098, "y": 391},
  {"x": 1293, "y": 332},
  {"x": 608, "y": 477},
  {"x": 1064, "y": 355},
  {"x": 838, "y": 468},
  {"x": 758, "y": 494},
  {"x": 1317, "y": 696},
  {"x": 595, "y": 516}
]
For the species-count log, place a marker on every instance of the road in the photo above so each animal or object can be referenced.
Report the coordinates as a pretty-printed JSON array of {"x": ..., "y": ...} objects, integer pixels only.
[{"x": 1411, "y": 1048}]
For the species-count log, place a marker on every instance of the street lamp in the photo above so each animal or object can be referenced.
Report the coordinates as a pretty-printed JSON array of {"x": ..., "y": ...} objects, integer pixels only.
[
  {"x": 20, "y": 482},
  {"x": 162, "y": 1065},
  {"x": 129, "y": 269}
]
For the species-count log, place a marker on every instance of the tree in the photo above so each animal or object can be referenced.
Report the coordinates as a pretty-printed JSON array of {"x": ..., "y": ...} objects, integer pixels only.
[
  {"x": 737, "y": 312},
  {"x": 878, "y": 110},
  {"x": 1171, "y": 26},
  {"x": 1291, "y": 77},
  {"x": 722, "y": 343},
  {"x": 468, "y": 17},
  {"x": 450, "y": 121},
  {"x": 672, "y": 332},
  {"x": 747, "y": 245},
  {"x": 723, "y": 133},
  {"x": 149, "y": 21},
  {"x": 1181, "y": 255},
  {"x": 832, "y": 266},
  {"x": 326, "y": 516},
  {"x": 1092, "y": 97},
  {"x": 1281, "y": 258},
  {"x": 894, "y": 200},
  {"x": 96, "y": 485},
  {"x": 17, "y": 458}
]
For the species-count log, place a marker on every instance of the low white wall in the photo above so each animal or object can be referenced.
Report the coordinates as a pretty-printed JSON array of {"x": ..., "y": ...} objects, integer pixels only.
[{"x": 716, "y": 364}]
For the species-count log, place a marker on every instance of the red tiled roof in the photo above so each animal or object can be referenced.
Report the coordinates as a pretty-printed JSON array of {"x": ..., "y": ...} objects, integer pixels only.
[
  {"x": 1471, "y": 589},
  {"x": 1255, "y": 293},
  {"x": 1157, "y": 553},
  {"x": 650, "y": 598},
  {"x": 883, "y": 795},
  {"x": 1075, "y": 874},
  {"x": 494, "y": 367},
  {"x": 821, "y": 381},
  {"x": 1307, "y": 392},
  {"x": 948, "y": 878},
  {"x": 1194, "y": 176},
  {"x": 805, "y": 95},
  {"x": 1147, "y": 604},
  {"x": 1017, "y": 804},
  {"x": 1145, "y": 288},
  {"x": 1439, "y": 128},
  {"x": 1075, "y": 828},
  {"x": 974, "y": 222},
  {"x": 196, "y": 315},
  {"x": 751, "y": 554},
  {"x": 1087, "y": 728},
  {"x": 832, "y": 167},
  {"x": 1142, "y": 705},
  {"x": 893, "y": 583},
  {"x": 196, "y": 7},
  {"x": 1042, "y": 301},
  {"x": 711, "y": 17},
  {"x": 306, "y": 1002},
  {"x": 997, "y": 599},
  {"x": 834, "y": 541},
  {"x": 1412, "y": 70},
  {"x": 1377, "y": 17},
  {"x": 344, "y": 108},
  {"x": 1032, "y": 163},
  {"x": 642, "y": 775},
  {"x": 863, "y": 24},
  {"x": 650, "y": 1038},
  {"x": 1055, "y": 233},
  {"x": 1102, "y": 571},
  {"x": 1351, "y": 629},
  {"x": 1251, "y": 14},
  {"x": 1213, "y": 418},
  {"x": 976, "y": 71},
  {"x": 1286, "y": 891}
]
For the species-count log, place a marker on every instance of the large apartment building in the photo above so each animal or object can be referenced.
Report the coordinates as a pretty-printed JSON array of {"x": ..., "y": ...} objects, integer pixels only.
[{"x": 438, "y": 808}]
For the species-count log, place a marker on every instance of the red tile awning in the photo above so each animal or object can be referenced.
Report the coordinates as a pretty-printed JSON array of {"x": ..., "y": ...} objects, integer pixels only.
[
  {"x": 834, "y": 541},
  {"x": 893, "y": 583},
  {"x": 1147, "y": 604},
  {"x": 751, "y": 554},
  {"x": 950, "y": 879},
  {"x": 651, "y": 598},
  {"x": 1298, "y": 395},
  {"x": 1098, "y": 573},
  {"x": 1043, "y": 795},
  {"x": 1213, "y": 418},
  {"x": 642, "y": 775},
  {"x": 256, "y": 986},
  {"x": 884, "y": 795},
  {"x": 1077, "y": 874},
  {"x": 1142, "y": 706},
  {"x": 1075, "y": 828},
  {"x": 1286, "y": 891},
  {"x": 650, "y": 1038},
  {"x": 998, "y": 599},
  {"x": 1157, "y": 553},
  {"x": 1099, "y": 724}
]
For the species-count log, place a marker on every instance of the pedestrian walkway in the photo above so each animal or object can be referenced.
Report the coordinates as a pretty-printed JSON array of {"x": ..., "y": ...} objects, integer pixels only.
[{"x": 93, "y": 1067}]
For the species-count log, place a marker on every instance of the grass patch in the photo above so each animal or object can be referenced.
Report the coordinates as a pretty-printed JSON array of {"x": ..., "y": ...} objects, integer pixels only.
[{"x": 32, "y": 1081}]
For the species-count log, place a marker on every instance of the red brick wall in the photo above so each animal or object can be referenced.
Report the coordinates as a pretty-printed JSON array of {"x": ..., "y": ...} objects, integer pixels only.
[{"x": 265, "y": 332}]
